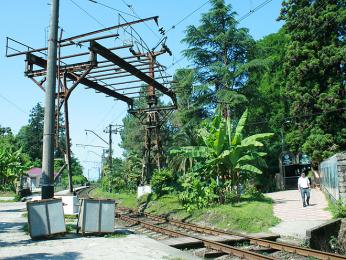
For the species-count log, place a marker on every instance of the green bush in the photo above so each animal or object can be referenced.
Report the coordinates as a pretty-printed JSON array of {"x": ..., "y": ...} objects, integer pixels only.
[
  {"x": 197, "y": 192},
  {"x": 163, "y": 181},
  {"x": 252, "y": 191},
  {"x": 338, "y": 209},
  {"x": 231, "y": 197}
]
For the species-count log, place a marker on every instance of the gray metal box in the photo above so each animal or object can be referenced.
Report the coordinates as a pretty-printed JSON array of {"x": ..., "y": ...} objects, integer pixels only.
[
  {"x": 45, "y": 218},
  {"x": 97, "y": 216}
]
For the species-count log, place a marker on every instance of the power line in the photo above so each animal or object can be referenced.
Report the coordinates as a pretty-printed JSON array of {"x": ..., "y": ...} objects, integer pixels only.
[
  {"x": 87, "y": 13},
  {"x": 112, "y": 8},
  {"x": 187, "y": 16},
  {"x": 136, "y": 15},
  {"x": 254, "y": 10},
  {"x": 14, "y": 104}
]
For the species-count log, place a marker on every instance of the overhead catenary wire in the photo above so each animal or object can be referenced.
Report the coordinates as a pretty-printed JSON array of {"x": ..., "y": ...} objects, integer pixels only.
[
  {"x": 112, "y": 8},
  {"x": 186, "y": 17},
  {"x": 14, "y": 104},
  {"x": 258, "y": 7},
  {"x": 137, "y": 16},
  {"x": 87, "y": 13}
]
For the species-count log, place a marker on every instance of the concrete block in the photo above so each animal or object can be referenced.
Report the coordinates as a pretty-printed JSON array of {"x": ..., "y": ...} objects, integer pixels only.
[{"x": 318, "y": 237}]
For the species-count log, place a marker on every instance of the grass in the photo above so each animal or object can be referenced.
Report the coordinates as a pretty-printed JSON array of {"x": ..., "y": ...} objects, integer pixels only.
[
  {"x": 25, "y": 228},
  {"x": 7, "y": 194},
  {"x": 337, "y": 208},
  {"x": 248, "y": 215},
  {"x": 116, "y": 235},
  {"x": 71, "y": 228},
  {"x": 7, "y": 201},
  {"x": 71, "y": 216},
  {"x": 124, "y": 199}
]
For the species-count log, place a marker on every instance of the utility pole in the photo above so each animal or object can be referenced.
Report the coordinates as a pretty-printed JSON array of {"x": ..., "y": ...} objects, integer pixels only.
[
  {"x": 110, "y": 148},
  {"x": 49, "y": 118},
  {"x": 110, "y": 130}
]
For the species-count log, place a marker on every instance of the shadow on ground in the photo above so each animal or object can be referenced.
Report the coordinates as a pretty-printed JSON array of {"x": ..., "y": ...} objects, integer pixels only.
[
  {"x": 7, "y": 226},
  {"x": 13, "y": 210},
  {"x": 65, "y": 255}
]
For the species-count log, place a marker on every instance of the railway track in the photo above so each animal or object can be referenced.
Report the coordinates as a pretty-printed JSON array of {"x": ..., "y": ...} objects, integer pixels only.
[
  {"x": 253, "y": 240},
  {"x": 297, "y": 250},
  {"x": 155, "y": 224},
  {"x": 84, "y": 193},
  {"x": 207, "y": 243}
]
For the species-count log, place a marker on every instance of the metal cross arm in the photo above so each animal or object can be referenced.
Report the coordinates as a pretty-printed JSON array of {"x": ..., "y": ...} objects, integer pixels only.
[
  {"x": 101, "y": 88},
  {"x": 107, "y": 54},
  {"x": 91, "y": 131}
]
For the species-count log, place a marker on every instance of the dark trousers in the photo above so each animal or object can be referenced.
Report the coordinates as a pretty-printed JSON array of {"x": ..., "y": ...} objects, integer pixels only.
[{"x": 305, "y": 192}]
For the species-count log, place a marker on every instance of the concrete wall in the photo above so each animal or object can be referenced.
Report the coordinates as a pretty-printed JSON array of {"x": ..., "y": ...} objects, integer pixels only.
[
  {"x": 341, "y": 169},
  {"x": 319, "y": 237}
]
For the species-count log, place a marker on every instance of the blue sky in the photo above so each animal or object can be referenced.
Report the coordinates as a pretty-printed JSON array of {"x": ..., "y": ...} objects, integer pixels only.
[{"x": 27, "y": 22}]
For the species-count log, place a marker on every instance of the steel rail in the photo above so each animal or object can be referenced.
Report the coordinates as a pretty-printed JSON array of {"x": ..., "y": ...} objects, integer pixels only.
[
  {"x": 207, "y": 243},
  {"x": 257, "y": 241}
]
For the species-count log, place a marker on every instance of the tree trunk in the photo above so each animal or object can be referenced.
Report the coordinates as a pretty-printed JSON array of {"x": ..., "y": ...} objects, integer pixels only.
[{"x": 238, "y": 186}]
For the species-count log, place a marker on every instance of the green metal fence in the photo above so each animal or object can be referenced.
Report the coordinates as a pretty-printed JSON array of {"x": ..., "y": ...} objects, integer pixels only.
[{"x": 329, "y": 177}]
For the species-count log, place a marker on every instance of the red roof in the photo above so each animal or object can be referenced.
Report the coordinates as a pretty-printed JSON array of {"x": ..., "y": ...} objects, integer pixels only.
[{"x": 37, "y": 172}]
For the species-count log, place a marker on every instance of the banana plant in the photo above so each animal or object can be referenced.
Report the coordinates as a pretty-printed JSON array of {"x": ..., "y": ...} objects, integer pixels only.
[
  {"x": 224, "y": 153},
  {"x": 13, "y": 165}
]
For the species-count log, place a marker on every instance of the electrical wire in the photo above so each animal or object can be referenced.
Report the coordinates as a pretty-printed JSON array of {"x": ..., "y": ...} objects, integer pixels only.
[
  {"x": 137, "y": 16},
  {"x": 87, "y": 13},
  {"x": 14, "y": 105},
  {"x": 254, "y": 10},
  {"x": 112, "y": 8},
  {"x": 186, "y": 17}
]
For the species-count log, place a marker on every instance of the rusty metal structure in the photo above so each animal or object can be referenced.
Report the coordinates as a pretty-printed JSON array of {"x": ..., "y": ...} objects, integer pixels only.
[{"x": 125, "y": 72}]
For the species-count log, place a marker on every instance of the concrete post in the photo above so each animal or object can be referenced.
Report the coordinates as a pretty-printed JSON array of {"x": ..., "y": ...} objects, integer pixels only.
[{"x": 48, "y": 130}]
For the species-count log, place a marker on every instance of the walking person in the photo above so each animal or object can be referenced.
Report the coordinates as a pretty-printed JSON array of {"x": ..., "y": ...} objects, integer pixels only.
[{"x": 304, "y": 188}]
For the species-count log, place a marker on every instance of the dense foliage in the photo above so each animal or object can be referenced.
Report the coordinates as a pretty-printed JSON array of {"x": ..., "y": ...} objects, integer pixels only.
[
  {"x": 19, "y": 153},
  {"x": 315, "y": 72},
  {"x": 236, "y": 93},
  {"x": 13, "y": 162},
  {"x": 225, "y": 157}
]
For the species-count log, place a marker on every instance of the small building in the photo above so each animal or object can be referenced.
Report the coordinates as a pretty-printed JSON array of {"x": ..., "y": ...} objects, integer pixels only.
[
  {"x": 291, "y": 166},
  {"x": 33, "y": 179}
]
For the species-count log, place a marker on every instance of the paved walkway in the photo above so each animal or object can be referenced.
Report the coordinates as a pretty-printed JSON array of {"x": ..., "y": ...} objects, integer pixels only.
[
  {"x": 15, "y": 244},
  {"x": 295, "y": 218}
]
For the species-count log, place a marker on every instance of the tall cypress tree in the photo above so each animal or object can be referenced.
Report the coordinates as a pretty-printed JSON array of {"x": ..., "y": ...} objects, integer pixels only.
[
  {"x": 30, "y": 136},
  {"x": 218, "y": 50},
  {"x": 316, "y": 75}
]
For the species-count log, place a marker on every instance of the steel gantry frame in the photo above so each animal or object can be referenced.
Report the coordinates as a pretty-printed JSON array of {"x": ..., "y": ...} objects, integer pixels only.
[{"x": 98, "y": 72}]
